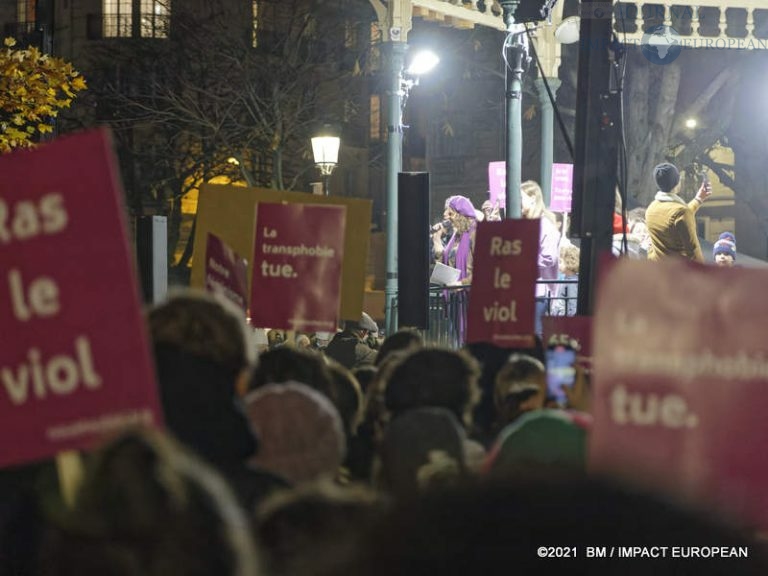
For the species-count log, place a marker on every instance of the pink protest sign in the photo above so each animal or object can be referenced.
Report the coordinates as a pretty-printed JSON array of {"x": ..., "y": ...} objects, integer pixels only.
[
  {"x": 681, "y": 369},
  {"x": 562, "y": 330},
  {"x": 74, "y": 360},
  {"x": 562, "y": 188},
  {"x": 497, "y": 183},
  {"x": 297, "y": 259},
  {"x": 226, "y": 272},
  {"x": 501, "y": 303}
]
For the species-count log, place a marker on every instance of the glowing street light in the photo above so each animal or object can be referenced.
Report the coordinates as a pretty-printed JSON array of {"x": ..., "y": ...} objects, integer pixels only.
[{"x": 325, "y": 150}]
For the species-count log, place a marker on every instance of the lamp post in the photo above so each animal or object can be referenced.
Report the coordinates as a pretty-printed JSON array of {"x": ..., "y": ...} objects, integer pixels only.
[
  {"x": 516, "y": 60},
  {"x": 401, "y": 80},
  {"x": 325, "y": 149}
]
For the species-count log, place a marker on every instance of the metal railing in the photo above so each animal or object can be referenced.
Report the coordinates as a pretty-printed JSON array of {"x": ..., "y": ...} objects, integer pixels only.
[{"x": 448, "y": 308}]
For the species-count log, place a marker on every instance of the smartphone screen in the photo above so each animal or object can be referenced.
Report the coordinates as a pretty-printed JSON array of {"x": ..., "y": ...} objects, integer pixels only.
[{"x": 561, "y": 371}]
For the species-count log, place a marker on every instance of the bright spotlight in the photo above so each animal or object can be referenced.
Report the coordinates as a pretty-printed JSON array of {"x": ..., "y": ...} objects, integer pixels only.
[
  {"x": 691, "y": 123},
  {"x": 422, "y": 62}
]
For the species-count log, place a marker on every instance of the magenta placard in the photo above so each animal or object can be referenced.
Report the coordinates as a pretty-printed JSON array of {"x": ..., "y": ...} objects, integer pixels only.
[
  {"x": 557, "y": 329},
  {"x": 74, "y": 360},
  {"x": 501, "y": 303},
  {"x": 497, "y": 182},
  {"x": 226, "y": 273},
  {"x": 681, "y": 369},
  {"x": 297, "y": 258},
  {"x": 562, "y": 188}
]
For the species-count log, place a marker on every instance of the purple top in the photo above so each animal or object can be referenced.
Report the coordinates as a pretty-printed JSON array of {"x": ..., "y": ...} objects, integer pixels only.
[{"x": 549, "y": 255}]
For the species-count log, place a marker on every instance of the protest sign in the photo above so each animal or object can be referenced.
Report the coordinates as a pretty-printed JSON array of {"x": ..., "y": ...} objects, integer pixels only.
[
  {"x": 74, "y": 360},
  {"x": 229, "y": 213},
  {"x": 297, "y": 258},
  {"x": 562, "y": 188},
  {"x": 501, "y": 303},
  {"x": 567, "y": 330},
  {"x": 226, "y": 273},
  {"x": 681, "y": 365},
  {"x": 497, "y": 183}
]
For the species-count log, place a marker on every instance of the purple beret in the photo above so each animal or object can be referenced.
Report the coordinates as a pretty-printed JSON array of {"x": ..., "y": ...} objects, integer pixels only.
[{"x": 463, "y": 206}]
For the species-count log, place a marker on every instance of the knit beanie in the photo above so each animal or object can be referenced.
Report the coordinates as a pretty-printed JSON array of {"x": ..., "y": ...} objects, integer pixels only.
[
  {"x": 726, "y": 244},
  {"x": 667, "y": 176}
]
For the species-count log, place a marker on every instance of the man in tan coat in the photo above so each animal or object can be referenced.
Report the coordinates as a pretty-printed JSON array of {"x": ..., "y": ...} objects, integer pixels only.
[{"x": 671, "y": 222}]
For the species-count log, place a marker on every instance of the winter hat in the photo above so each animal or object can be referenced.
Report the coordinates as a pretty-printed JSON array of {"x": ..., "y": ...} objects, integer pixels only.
[
  {"x": 463, "y": 206},
  {"x": 301, "y": 431},
  {"x": 542, "y": 439},
  {"x": 726, "y": 244},
  {"x": 667, "y": 176},
  {"x": 421, "y": 448}
]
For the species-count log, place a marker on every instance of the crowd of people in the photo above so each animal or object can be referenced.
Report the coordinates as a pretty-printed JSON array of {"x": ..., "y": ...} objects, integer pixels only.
[
  {"x": 404, "y": 459},
  {"x": 360, "y": 455},
  {"x": 666, "y": 228}
]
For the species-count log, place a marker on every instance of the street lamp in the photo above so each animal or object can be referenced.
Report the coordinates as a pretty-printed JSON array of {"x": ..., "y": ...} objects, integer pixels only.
[
  {"x": 325, "y": 149},
  {"x": 401, "y": 79}
]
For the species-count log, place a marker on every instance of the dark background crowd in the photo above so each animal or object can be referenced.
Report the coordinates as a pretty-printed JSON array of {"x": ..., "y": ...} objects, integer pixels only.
[{"x": 371, "y": 456}]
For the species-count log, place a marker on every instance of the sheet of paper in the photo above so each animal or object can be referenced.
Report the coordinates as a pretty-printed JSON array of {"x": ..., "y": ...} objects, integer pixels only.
[{"x": 444, "y": 275}]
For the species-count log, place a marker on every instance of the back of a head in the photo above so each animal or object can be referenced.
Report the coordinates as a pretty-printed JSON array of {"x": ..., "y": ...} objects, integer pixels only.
[
  {"x": 299, "y": 530},
  {"x": 301, "y": 435},
  {"x": 348, "y": 396},
  {"x": 540, "y": 443},
  {"x": 400, "y": 340},
  {"x": 509, "y": 527},
  {"x": 144, "y": 504},
  {"x": 286, "y": 364},
  {"x": 200, "y": 349},
  {"x": 203, "y": 326},
  {"x": 434, "y": 377},
  {"x": 422, "y": 448}
]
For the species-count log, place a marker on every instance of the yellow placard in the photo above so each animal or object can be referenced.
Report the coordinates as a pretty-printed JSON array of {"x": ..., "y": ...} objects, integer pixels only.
[{"x": 229, "y": 212}]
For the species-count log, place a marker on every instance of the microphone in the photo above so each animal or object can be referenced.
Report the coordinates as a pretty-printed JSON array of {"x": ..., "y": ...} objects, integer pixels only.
[{"x": 440, "y": 225}]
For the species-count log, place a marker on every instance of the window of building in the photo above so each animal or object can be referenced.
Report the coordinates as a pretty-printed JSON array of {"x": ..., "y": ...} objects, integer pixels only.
[
  {"x": 374, "y": 59},
  {"x": 153, "y": 18},
  {"x": 118, "y": 18},
  {"x": 375, "y": 118},
  {"x": 255, "y": 23},
  {"x": 25, "y": 11}
]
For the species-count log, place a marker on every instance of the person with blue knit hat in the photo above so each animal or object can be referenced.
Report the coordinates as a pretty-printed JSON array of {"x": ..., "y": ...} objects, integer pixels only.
[
  {"x": 671, "y": 222},
  {"x": 724, "y": 252}
]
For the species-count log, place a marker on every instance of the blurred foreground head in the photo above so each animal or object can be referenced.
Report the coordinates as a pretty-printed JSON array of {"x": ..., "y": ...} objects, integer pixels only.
[
  {"x": 201, "y": 348},
  {"x": 149, "y": 508},
  {"x": 508, "y": 528}
]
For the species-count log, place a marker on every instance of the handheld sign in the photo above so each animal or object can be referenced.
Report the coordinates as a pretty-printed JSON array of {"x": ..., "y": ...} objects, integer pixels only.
[
  {"x": 567, "y": 330},
  {"x": 226, "y": 273},
  {"x": 561, "y": 197},
  {"x": 297, "y": 258},
  {"x": 497, "y": 182},
  {"x": 501, "y": 303},
  {"x": 681, "y": 369},
  {"x": 74, "y": 361}
]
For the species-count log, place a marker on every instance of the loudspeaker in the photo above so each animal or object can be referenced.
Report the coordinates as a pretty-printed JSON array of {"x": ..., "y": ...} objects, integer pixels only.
[
  {"x": 413, "y": 240},
  {"x": 152, "y": 257},
  {"x": 596, "y": 145},
  {"x": 533, "y": 10}
]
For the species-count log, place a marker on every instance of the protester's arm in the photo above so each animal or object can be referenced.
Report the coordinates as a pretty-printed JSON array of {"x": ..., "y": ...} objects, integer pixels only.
[
  {"x": 705, "y": 191},
  {"x": 437, "y": 244},
  {"x": 470, "y": 259},
  {"x": 686, "y": 229},
  {"x": 548, "y": 245},
  {"x": 579, "y": 396}
]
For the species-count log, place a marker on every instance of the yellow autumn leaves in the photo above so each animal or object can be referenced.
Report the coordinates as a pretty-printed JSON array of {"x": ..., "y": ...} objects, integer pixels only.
[{"x": 34, "y": 87}]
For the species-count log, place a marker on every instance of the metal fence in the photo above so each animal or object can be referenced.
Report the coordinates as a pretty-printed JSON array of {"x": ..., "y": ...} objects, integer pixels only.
[{"x": 448, "y": 310}]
